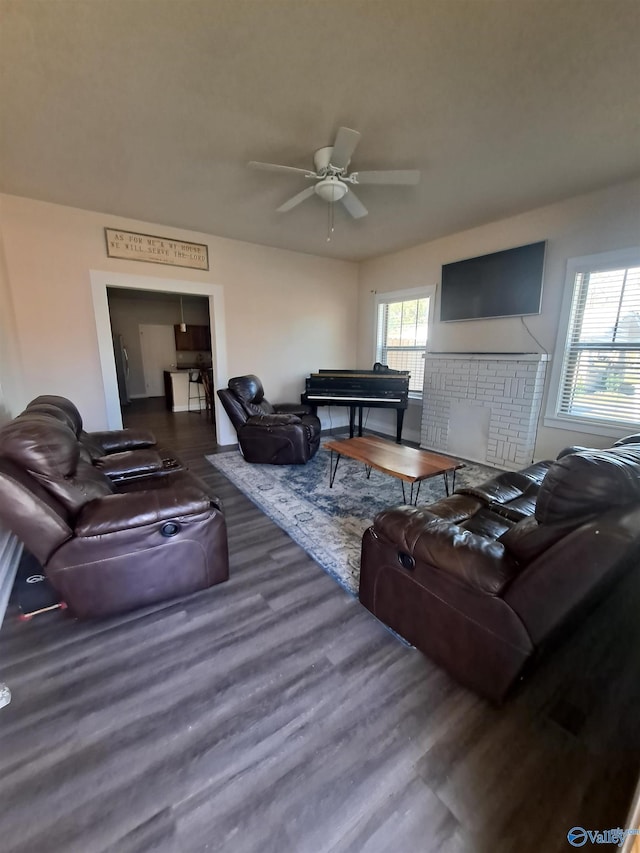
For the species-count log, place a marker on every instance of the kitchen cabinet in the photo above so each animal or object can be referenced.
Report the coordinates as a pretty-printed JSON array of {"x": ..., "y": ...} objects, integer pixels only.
[{"x": 195, "y": 339}]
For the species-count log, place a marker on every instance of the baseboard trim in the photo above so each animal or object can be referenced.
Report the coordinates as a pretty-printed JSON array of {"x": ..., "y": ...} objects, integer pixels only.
[{"x": 187, "y": 409}]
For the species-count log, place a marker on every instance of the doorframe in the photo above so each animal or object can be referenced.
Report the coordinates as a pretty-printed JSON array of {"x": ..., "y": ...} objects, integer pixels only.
[{"x": 101, "y": 280}]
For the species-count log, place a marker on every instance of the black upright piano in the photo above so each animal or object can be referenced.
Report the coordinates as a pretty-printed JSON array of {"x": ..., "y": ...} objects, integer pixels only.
[{"x": 380, "y": 388}]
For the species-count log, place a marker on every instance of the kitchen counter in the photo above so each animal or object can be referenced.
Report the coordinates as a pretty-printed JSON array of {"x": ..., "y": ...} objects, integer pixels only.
[
  {"x": 176, "y": 389},
  {"x": 191, "y": 367}
]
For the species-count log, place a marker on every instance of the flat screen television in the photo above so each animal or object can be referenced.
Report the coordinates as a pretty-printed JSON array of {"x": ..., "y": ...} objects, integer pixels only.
[{"x": 503, "y": 284}]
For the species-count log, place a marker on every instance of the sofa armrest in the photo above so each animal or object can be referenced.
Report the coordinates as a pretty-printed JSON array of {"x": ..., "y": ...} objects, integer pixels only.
[
  {"x": 139, "y": 509},
  {"x": 123, "y": 439},
  {"x": 628, "y": 439},
  {"x": 573, "y": 448},
  {"x": 527, "y": 539},
  {"x": 299, "y": 409},
  {"x": 468, "y": 557},
  {"x": 272, "y": 420},
  {"x": 130, "y": 463}
]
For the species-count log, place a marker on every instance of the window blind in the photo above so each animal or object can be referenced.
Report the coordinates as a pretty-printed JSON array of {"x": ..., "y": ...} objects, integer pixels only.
[
  {"x": 402, "y": 337},
  {"x": 601, "y": 367}
]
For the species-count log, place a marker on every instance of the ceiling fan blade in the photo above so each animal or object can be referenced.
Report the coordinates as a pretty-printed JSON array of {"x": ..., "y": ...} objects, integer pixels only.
[
  {"x": 296, "y": 199},
  {"x": 353, "y": 204},
  {"x": 389, "y": 176},
  {"x": 273, "y": 167},
  {"x": 344, "y": 146}
]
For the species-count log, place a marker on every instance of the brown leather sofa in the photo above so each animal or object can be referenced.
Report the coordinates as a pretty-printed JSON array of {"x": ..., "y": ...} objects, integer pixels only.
[
  {"x": 121, "y": 454},
  {"x": 281, "y": 434},
  {"x": 106, "y": 546},
  {"x": 484, "y": 581}
]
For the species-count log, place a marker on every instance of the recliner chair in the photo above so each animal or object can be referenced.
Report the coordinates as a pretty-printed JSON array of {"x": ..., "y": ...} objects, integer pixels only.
[
  {"x": 105, "y": 547},
  {"x": 120, "y": 454},
  {"x": 487, "y": 579},
  {"x": 97, "y": 443},
  {"x": 284, "y": 434}
]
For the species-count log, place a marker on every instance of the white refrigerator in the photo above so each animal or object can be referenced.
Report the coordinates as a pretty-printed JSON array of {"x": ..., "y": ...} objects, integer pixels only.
[{"x": 122, "y": 369}]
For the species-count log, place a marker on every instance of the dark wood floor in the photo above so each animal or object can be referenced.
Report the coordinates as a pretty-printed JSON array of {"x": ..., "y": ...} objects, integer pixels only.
[{"x": 273, "y": 713}]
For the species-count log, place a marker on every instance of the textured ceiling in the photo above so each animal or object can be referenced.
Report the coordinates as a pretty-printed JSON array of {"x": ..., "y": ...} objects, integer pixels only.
[{"x": 151, "y": 109}]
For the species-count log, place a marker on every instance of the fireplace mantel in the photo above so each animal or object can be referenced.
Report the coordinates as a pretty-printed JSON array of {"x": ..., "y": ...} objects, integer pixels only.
[{"x": 491, "y": 356}]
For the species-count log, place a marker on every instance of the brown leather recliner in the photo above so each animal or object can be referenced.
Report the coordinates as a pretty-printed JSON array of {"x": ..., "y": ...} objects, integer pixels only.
[
  {"x": 121, "y": 454},
  {"x": 106, "y": 547},
  {"x": 483, "y": 581},
  {"x": 284, "y": 434},
  {"x": 97, "y": 443}
]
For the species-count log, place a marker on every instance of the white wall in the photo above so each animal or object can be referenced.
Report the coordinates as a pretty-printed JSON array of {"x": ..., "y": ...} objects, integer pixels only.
[
  {"x": 10, "y": 374},
  {"x": 597, "y": 222},
  {"x": 287, "y": 314},
  {"x": 10, "y": 365}
]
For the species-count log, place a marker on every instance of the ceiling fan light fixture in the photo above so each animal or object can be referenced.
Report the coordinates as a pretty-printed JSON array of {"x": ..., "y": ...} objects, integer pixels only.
[{"x": 331, "y": 189}]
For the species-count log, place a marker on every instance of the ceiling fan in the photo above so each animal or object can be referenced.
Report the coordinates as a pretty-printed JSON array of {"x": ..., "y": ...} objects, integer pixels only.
[{"x": 331, "y": 179}]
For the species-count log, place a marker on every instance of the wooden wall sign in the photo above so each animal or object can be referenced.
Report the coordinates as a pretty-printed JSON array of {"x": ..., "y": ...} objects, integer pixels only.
[{"x": 155, "y": 250}]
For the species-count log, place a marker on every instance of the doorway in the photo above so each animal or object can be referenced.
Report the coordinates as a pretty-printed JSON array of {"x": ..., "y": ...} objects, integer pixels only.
[{"x": 101, "y": 280}]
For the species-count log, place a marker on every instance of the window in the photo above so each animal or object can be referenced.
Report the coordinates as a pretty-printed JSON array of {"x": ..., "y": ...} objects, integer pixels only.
[
  {"x": 402, "y": 331},
  {"x": 599, "y": 380}
]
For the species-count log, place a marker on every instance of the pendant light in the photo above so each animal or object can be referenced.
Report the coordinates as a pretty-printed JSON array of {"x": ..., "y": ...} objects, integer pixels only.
[{"x": 183, "y": 325}]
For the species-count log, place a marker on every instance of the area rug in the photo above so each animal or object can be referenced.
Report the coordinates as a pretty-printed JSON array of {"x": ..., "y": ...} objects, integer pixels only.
[{"x": 328, "y": 523}]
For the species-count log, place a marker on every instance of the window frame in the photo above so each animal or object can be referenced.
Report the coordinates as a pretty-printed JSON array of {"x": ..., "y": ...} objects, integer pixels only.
[
  {"x": 427, "y": 291},
  {"x": 554, "y": 418}
]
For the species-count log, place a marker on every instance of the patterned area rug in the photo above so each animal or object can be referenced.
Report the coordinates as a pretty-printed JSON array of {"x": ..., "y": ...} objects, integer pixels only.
[{"x": 329, "y": 523}]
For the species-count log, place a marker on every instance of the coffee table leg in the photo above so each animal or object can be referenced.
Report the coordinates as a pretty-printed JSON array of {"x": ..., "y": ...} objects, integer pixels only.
[
  {"x": 413, "y": 499},
  {"x": 333, "y": 468},
  {"x": 446, "y": 481}
]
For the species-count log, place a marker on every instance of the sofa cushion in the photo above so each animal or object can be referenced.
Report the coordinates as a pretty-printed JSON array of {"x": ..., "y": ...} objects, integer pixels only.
[
  {"x": 527, "y": 539},
  {"x": 248, "y": 389},
  {"x": 487, "y": 523},
  {"x": 582, "y": 485},
  {"x": 66, "y": 406},
  {"x": 48, "y": 410},
  {"x": 628, "y": 439},
  {"x": 273, "y": 420},
  {"x": 500, "y": 489},
  {"x": 41, "y": 445},
  {"x": 456, "y": 508},
  {"x": 50, "y": 452},
  {"x": 509, "y": 486}
]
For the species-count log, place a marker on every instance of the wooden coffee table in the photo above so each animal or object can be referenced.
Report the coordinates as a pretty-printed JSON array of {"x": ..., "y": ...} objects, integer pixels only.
[{"x": 407, "y": 464}]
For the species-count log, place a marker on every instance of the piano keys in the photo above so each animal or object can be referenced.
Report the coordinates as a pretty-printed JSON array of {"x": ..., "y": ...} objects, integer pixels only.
[{"x": 357, "y": 389}]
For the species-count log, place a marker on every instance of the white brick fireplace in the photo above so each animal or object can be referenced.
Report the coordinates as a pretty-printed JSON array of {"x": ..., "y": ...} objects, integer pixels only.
[{"x": 483, "y": 406}]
